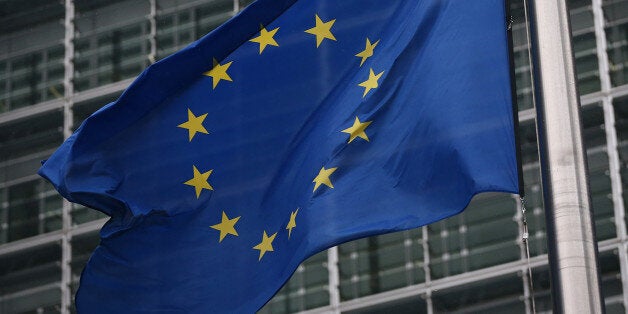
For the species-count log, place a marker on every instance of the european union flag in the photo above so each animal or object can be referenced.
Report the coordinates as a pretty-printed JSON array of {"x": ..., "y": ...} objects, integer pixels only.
[{"x": 295, "y": 126}]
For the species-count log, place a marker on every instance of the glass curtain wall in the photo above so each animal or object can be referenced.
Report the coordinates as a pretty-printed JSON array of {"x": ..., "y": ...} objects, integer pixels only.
[{"x": 472, "y": 262}]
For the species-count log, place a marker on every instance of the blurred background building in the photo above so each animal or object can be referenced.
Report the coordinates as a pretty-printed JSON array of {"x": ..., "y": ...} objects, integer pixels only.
[{"x": 61, "y": 61}]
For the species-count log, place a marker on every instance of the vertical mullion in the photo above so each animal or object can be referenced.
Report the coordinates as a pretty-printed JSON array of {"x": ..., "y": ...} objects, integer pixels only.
[
  {"x": 41, "y": 217},
  {"x": 236, "y": 6},
  {"x": 426, "y": 269},
  {"x": 44, "y": 75},
  {"x": 4, "y": 216},
  {"x": 68, "y": 121},
  {"x": 8, "y": 84},
  {"x": 193, "y": 29},
  {"x": 177, "y": 30},
  {"x": 462, "y": 239},
  {"x": 407, "y": 257},
  {"x": 152, "y": 38},
  {"x": 334, "y": 278}
]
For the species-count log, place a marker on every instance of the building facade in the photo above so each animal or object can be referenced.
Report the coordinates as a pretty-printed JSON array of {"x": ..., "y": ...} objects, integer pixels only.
[{"x": 62, "y": 60}]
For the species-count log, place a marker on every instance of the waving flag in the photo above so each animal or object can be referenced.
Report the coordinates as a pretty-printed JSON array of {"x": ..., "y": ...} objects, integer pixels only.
[{"x": 295, "y": 126}]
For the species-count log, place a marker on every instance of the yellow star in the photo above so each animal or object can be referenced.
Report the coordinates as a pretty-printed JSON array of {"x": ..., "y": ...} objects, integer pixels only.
[
  {"x": 371, "y": 82},
  {"x": 368, "y": 51},
  {"x": 292, "y": 223},
  {"x": 199, "y": 182},
  {"x": 265, "y": 38},
  {"x": 357, "y": 130},
  {"x": 219, "y": 72},
  {"x": 322, "y": 30},
  {"x": 266, "y": 245},
  {"x": 194, "y": 124},
  {"x": 226, "y": 226},
  {"x": 323, "y": 178}
]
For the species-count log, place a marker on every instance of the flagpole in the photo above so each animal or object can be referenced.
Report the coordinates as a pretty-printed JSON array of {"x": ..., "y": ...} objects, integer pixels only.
[{"x": 570, "y": 229}]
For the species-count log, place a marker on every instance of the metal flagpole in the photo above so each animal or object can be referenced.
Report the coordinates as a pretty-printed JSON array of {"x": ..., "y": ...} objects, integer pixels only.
[{"x": 570, "y": 230}]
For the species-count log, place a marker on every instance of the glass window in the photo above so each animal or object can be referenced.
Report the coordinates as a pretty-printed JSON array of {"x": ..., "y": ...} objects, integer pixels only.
[
  {"x": 109, "y": 46},
  {"x": 177, "y": 28},
  {"x": 382, "y": 263},
  {"x": 598, "y": 166},
  {"x": 210, "y": 16},
  {"x": 31, "y": 78},
  {"x": 306, "y": 289},
  {"x": 542, "y": 294},
  {"x": 31, "y": 135},
  {"x": 610, "y": 274},
  {"x": 30, "y": 279},
  {"x": 495, "y": 295},
  {"x": 31, "y": 57},
  {"x": 23, "y": 211},
  {"x": 583, "y": 35},
  {"x": 484, "y": 235},
  {"x": 411, "y": 305},
  {"x": 615, "y": 13},
  {"x": 30, "y": 206},
  {"x": 574, "y": 4}
]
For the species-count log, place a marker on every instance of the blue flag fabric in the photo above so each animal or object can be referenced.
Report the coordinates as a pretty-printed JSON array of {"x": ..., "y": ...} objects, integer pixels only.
[{"x": 295, "y": 126}]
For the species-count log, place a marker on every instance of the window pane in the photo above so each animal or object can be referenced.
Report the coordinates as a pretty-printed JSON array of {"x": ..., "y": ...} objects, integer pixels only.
[
  {"x": 615, "y": 13},
  {"x": 30, "y": 279},
  {"x": 495, "y": 295},
  {"x": 599, "y": 179},
  {"x": 484, "y": 235},
  {"x": 110, "y": 46},
  {"x": 376, "y": 264},
  {"x": 306, "y": 289},
  {"x": 31, "y": 53}
]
